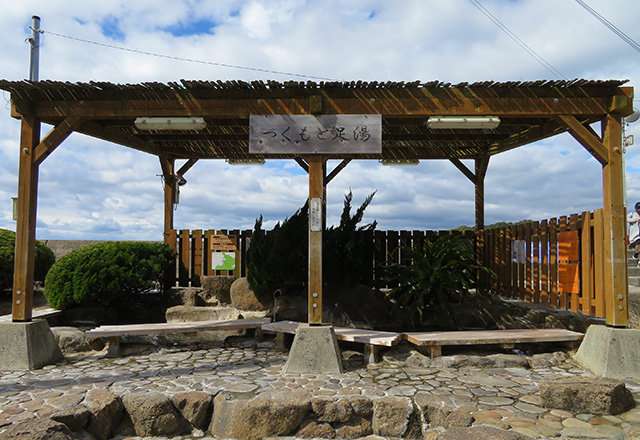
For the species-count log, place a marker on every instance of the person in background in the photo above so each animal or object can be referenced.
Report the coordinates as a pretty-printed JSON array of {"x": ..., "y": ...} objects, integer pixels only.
[{"x": 633, "y": 219}]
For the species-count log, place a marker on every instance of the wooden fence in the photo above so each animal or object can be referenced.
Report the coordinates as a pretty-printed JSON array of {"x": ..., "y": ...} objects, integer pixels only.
[
  {"x": 194, "y": 249},
  {"x": 556, "y": 263}
]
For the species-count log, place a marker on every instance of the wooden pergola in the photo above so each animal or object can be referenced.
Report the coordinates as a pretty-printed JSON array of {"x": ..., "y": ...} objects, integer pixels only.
[{"x": 527, "y": 111}]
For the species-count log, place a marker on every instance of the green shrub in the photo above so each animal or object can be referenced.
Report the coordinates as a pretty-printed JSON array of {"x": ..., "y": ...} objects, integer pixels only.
[
  {"x": 43, "y": 261},
  {"x": 104, "y": 272},
  {"x": 433, "y": 276},
  {"x": 279, "y": 258}
]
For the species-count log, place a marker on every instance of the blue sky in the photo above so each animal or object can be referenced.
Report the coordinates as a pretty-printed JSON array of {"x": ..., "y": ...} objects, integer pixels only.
[{"x": 90, "y": 189}]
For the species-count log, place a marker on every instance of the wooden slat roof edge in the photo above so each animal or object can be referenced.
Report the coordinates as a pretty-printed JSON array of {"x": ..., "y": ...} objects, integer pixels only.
[{"x": 98, "y": 86}]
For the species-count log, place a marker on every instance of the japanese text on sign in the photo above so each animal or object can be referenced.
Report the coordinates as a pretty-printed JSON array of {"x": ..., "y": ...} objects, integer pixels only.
[{"x": 307, "y": 134}]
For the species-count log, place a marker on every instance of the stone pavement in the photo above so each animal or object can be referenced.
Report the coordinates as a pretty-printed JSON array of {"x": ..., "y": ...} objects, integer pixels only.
[{"x": 505, "y": 397}]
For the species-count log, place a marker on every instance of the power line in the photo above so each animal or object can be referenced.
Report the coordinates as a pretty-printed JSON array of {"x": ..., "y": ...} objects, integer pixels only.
[
  {"x": 515, "y": 38},
  {"x": 189, "y": 60},
  {"x": 610, "y": 25}
]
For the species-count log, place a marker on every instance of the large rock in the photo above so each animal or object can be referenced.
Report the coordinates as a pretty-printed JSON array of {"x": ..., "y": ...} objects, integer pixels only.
[
  {"x": 311, "y": 428},
  {"x": 195, "y": 407},
  {"x": 152, "y": 414},
  {"x": 191, "y": 313},
  {"x": 396, "y": 417},
  {"x": 357, "y": 427},
  {"x": 332, "y": 409},
  {"x": 106, "y": 410},
  {"x": 276, "y": 414},
  {"x": 243, "y": 298},
  {"x": 590, "y": 395},
  {"x": 75, "y": 417},
  {"x": 435, "y": 409},
  {"x": 38, "y": 429},
  {"x": 218, "y": 287},
  {"x": 70, "y": 339},
  {"x": 186, "y": 296}
]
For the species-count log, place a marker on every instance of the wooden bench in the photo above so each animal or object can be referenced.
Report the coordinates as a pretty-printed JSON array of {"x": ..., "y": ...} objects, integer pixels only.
[
  {"x": 373, "y": 340},
  {"x": 113, "y": 332},
  {"x": 433, "y": 341},
  {"x": 40, "y": 314}
]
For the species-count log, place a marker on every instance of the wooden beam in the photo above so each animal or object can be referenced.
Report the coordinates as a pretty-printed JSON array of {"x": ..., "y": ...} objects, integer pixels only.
[
  {"x": 336, "y": 170},
  {"x": 113, "y": 135},
  {"x": 463, "y": 168},
  {"x": 586, "y": 137},
  {"x": 55, "y": 137},
  {"x": 25, "y": 252},
  {"x": 481, "y": 164},
  {"x": 616, "y": 289},
  {"x": 168, "y": 166},
  {"x": 412, "y": 101},
  {"x": 316, "y": 178}
]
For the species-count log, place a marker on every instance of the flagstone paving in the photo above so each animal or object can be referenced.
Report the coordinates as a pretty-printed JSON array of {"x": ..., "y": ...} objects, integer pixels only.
[{"x": 507, "y": 398}]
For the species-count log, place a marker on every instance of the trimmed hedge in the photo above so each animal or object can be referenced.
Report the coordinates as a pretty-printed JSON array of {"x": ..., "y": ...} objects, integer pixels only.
[
  {"x": 105, "y": 272},
  {"x": 43, "y": 261}
]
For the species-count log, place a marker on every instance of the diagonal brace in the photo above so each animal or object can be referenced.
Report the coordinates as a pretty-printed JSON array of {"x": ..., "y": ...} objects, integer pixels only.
[
  {"x": 587, "y": 138},
  {"x": 55, "y": 137}
]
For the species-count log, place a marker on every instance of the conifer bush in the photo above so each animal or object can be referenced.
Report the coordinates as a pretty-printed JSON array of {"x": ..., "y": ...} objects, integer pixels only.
[
  {"x": 105, "y": 272},
  {"x": 43, "y": 261},
  {"x": 279, "y": 258}
]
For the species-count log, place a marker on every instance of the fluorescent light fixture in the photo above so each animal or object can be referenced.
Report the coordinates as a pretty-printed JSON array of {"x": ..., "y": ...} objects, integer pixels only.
[
  {"x": 170, "y": 123},
  {"x": 400, "y": 162},
  {"x": 245, "y": 161},
  {"x": 464, "y": 122}
]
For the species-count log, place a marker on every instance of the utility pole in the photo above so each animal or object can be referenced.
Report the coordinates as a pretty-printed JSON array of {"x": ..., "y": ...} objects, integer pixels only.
[{"x": 34, "y": 41}]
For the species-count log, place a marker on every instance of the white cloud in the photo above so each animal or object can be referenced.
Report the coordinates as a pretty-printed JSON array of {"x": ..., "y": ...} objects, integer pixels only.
[{"x": 93, "y": 189}]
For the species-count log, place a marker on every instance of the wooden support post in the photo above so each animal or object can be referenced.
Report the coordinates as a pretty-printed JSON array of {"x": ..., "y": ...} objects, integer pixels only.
[
  {"x": 616, "y": 289},
  {"x": 481, "y": 170},
  {"x": 168, "y": 166},
  {"x": 25, "y": 249},
  {"x": 316, "y": 199}
]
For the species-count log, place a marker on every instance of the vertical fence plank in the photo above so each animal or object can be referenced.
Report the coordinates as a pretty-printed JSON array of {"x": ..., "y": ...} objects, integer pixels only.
[
  {"x": 528, "y": 275},
  {"x": 405, "y": 241},
  {"x": 553, "y": 263},
  {"x": 171, "y": 238},
  {"x": 535, "y": 236},
  {"x": 586, "y": 264},
  {"x": 245, "y": 242},
  {"x": 418, "y": 239},
  {"x": 562, "y": 296},
  {"x": 574, "y": 301},
  {"x": 393, "y": 253},
  {"x": 511, "y": 267},
  {"x": 598, "y": 254},
  {"x": 196, "y": 258},
  {"x": 183, "y": 270},
  {"x": 379, "y": 255},
  {"x": 544, "y": 266},
  {"x": 521, "y": 267},
  {"x": 208, "y": 265}
]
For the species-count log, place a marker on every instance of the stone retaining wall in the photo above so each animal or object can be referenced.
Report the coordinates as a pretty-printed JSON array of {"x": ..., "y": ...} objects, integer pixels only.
[
  {"x": 242, "y": 415},
  {"x": 105, "y": 414}
]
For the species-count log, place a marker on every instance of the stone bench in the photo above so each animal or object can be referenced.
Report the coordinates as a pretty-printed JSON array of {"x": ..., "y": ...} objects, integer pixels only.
[
  {"x": 373, "y": 340},
  {"x": 40, "y": 314},
  {"x": 113, "y": 332},
  {"x": 432, "y": 342}
]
